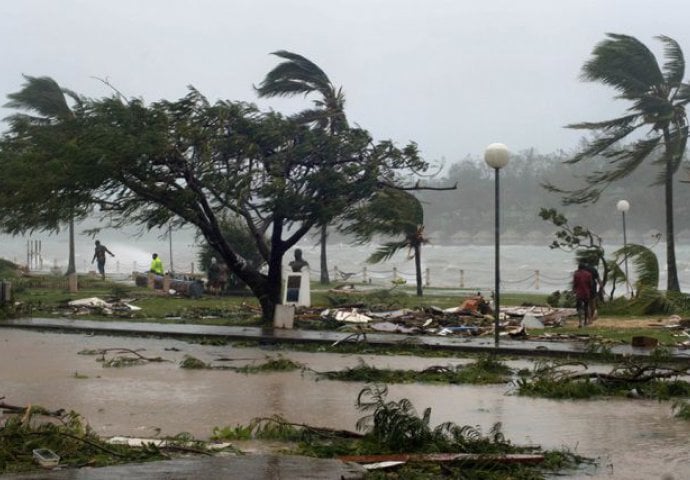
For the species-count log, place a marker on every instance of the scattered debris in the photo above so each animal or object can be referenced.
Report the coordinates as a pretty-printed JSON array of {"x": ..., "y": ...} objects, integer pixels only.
[
  {"x": 121, "y": 357},
  {"x": 84, "y": 306},
  {"x": 46, "y": 457},
  {"x": 346, "y": 315},
  {"x": 473, "y": 317},
  {"x": 386, "y": 461}
]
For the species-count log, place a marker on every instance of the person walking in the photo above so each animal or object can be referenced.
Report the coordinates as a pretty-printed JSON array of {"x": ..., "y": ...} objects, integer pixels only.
[
  {"x": 156, "y": 265},
  {"x": 582, "y": 287},
  {"x": 596, "y": 290},
  {"x": 99, "y": 255}
]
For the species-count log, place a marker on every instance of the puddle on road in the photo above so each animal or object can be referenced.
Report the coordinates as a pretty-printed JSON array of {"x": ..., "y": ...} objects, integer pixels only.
[{"x": 632, "y": 439}]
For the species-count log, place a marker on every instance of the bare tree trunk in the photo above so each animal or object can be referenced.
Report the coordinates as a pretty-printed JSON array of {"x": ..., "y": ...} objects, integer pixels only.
[
  {"x": 71, "y": 266},
  {"x": 324, "y": 260},
  {"x": 418, "y": 268},
  {"x": 672, "y": 279}
]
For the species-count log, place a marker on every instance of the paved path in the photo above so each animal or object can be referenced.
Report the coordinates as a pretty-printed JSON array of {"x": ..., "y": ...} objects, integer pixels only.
[
  {"x": 244, "y": 467},
  {"x": 508, "y": 346}
]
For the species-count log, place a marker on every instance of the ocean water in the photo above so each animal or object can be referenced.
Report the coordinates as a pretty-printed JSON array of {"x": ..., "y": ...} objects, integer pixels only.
[{"x": 523, "y": 267}]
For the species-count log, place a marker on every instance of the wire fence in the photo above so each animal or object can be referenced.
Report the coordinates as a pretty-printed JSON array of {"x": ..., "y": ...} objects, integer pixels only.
[{"x": 464, "y": 279}]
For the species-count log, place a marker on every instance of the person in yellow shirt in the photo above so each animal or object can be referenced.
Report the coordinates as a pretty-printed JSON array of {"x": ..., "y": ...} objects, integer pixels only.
[{"x": 156, "y": 265}]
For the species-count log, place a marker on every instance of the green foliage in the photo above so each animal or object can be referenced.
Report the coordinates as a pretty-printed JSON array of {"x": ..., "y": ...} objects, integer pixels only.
[
  {"x": 658, "y": 99},
  {"x": 561, "y": 299},
  {"x": 649, "y": 379},
  {"x": 486, "y": 370},
  {"x": 70, "y": 437},
  {"x": 392, "y": 213},
  {"x": 645, "y": 263},
  {"x": 279, "y": 364},
  {"x": 649, "y": 302},
  {"x": 238, "y": 432},
  {"x": 193, "y": 162},
  {"x": 682, "y": 409},
  {"x": 193, "y": 363},
  {"x": 8, "y": 270},
  {"x": 237, "y": 234},
  {"x": 586, "y": 244},
  {"x": 396, "y": 427}
]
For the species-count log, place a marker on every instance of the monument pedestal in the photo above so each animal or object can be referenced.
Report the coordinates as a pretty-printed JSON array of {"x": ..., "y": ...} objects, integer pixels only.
[{"x": 297, "y": 289}]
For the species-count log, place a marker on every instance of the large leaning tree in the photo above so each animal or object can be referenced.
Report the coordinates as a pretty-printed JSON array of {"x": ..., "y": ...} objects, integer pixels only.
[
  {"x": 42, "y": 106},
  {"x": 193, "y": 162},
  {"x": 297, "y": 75},
  {"x": 656, "y": 118}
]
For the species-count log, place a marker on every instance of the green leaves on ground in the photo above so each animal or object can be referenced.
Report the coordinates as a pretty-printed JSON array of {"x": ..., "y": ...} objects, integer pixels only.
[{"x": 486, "y": 370}]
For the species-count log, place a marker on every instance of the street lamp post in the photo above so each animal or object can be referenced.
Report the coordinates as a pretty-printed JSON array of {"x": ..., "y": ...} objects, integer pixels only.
[
  {"x": 496, "y": 157},
  {"x": 623, "y": 206}
]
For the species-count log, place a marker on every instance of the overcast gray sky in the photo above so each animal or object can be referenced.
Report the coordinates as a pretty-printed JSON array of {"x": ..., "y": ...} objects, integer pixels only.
[{"x": 452, "y": 75}]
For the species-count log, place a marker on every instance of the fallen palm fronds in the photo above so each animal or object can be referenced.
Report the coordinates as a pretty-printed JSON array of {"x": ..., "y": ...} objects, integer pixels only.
[
  {"x": 393, "y": 430},
  {"x": 486, "y": 370},
  {"x": 62, "y": 432},
  {"x": 121, "y": 357},
  {"x": 279, "y": 364},
  {"x": 632, "y": 378},
  {"x": 508, "y": 458}
]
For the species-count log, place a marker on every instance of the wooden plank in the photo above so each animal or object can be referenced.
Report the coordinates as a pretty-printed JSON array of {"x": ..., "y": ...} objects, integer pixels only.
[{"x": 527, "y": 459}]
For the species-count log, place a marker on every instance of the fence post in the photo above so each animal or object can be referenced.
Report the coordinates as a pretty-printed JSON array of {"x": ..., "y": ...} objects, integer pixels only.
[
  {"x": 336, "y": 273},
  {"x": 192, "y": 269},
  {"x": 395, "y": 273},
  {"x": 428, "y": 277},
  {"x": 536, "y": 282},
  {"x": 462, "y": 278},
  {"x": 364, "y": 274}
]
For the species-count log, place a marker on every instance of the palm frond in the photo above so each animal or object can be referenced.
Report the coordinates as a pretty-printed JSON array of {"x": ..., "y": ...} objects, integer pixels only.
[
  {"x": 615, "y": 123},
  {"x": 601, "y": 144},
  {"x": 624, "y": 63},
  {"x": 625, "y": 161},
  {"x": 674, "y": 67},
  {"x": 42, "y": 95},
  {"x": 304, "y": 64},
  {"x": 645, "y": 263},
  {"x": 296, "y": 75},
  {"x": 682, "y": 94},
  {"x": 387, "y": 250}
]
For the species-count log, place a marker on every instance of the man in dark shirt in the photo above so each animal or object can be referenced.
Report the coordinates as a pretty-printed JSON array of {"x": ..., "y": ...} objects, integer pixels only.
[
  {"x": 582, "y": 287},
  {"x": 99, "y": 255}
]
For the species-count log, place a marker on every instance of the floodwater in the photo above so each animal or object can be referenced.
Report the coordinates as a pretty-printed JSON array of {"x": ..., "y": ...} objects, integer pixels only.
[{"x": 631, "y": 439}]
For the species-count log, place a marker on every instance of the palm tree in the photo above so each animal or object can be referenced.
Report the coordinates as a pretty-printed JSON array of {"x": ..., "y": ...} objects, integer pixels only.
[
  {"x": 392, "y": 213},
  {"x": 300, "y": 76},
  {"x": 48, "y": 100},
  {"x": 657, "y": 113}
]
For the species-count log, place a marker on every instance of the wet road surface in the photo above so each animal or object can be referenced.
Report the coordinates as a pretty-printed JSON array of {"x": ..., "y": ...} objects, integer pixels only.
[{"x": 633, "y": 439}]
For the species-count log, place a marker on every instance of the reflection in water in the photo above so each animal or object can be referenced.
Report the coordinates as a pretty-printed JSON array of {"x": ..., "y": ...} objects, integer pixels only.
[{"x": 632, "y": 439}]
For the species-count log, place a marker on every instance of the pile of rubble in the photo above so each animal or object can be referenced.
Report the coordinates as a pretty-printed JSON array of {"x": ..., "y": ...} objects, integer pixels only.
[{"x": 472, "y": 318}]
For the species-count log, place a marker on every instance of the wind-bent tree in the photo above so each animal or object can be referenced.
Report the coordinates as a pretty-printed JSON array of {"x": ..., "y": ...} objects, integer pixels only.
[
  {"x": 391, "y": 213},
  {"x": 198, "y": 163},
  {"x": 48, "y": 106},
  {"x": 584, "y": 243},
  {"x": 658, "y": 98},
  {"x": 300, "y": 76}
]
